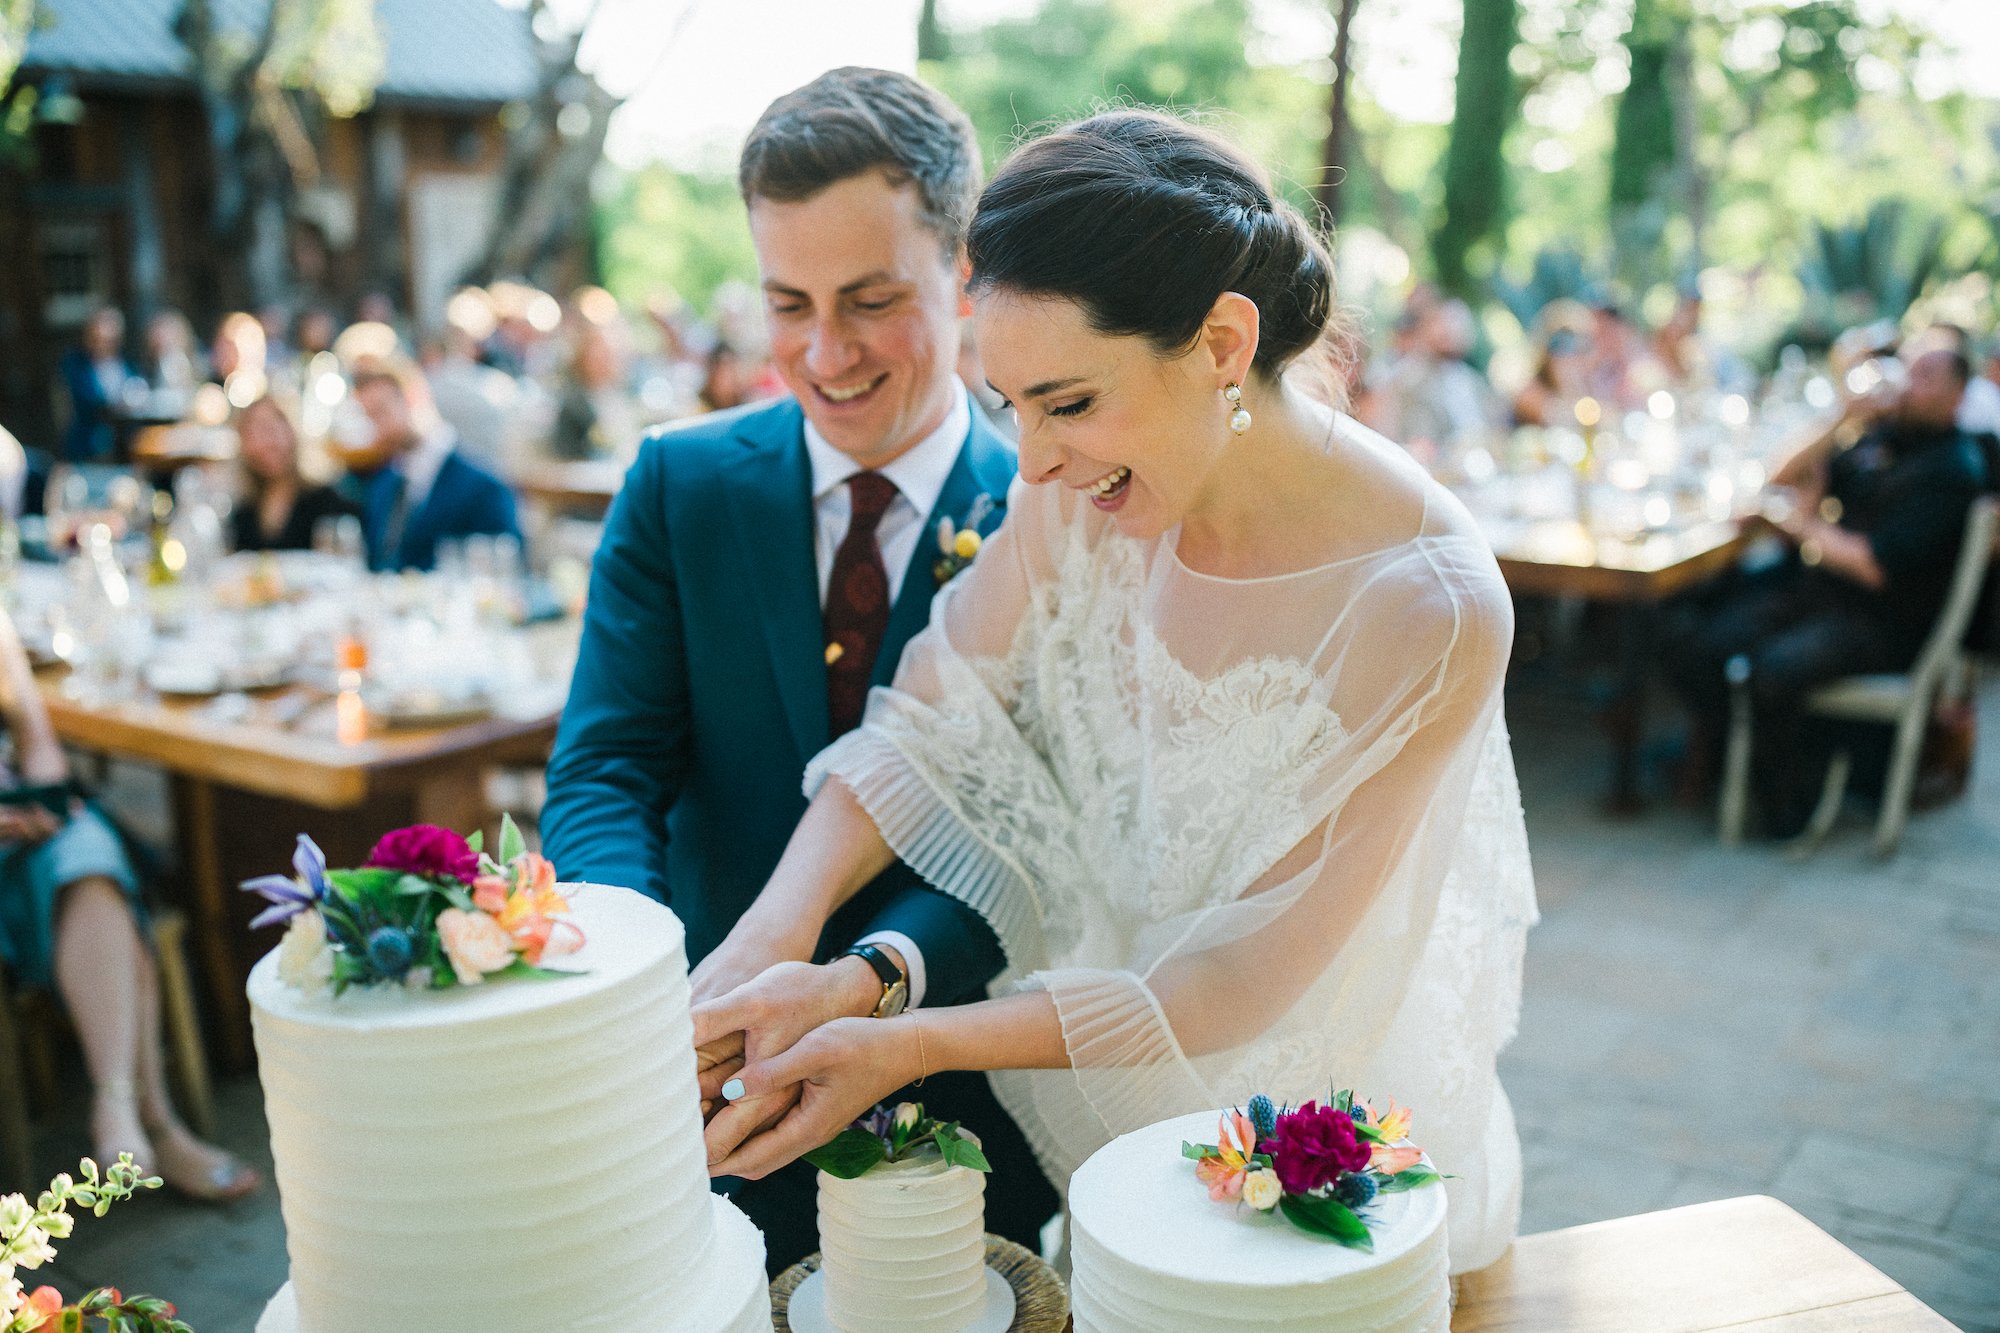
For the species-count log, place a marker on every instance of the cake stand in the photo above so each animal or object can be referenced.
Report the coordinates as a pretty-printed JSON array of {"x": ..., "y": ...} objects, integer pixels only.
[{"x": 1041, "y": 1303}]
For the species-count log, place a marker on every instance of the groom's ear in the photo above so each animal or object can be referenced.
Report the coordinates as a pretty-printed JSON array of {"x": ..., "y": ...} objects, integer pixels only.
[
  {"x": 1230, "y": 336},
  {"x": 964, "y": 268}
]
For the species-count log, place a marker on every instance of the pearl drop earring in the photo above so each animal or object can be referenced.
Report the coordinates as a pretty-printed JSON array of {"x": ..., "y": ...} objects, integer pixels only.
[{"x": 1239, "y": 420}]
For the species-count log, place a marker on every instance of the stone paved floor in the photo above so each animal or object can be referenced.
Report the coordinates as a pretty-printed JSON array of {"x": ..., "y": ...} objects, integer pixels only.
[{"x": 1699, "y": 1023}]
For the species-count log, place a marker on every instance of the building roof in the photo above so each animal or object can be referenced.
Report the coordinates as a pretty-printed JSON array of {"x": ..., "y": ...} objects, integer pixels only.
[{"x": 448, "y": 51}]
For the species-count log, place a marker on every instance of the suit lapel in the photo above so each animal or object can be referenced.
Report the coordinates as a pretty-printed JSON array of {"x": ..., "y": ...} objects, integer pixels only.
[
  {"x": 984, "y": 466},
  {"x": 770, "y": 498}
]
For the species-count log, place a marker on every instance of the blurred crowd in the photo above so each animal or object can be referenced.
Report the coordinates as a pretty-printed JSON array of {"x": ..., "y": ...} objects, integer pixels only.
[{"x": 419, "y": 439}]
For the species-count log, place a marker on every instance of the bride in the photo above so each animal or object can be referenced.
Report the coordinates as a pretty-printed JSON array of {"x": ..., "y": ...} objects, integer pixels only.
[{"x": 1210, "y": 731}]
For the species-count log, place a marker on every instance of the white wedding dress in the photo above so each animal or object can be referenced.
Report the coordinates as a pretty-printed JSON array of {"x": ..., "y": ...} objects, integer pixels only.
[{"x": 1251, "y": 835}]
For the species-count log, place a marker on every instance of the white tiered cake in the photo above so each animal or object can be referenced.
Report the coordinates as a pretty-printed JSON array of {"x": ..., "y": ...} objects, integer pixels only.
[
  {"x": 521, "y": 1155},
  {"x": 1151, "y": 1251},
  {"x": 904, "y": 1247}
]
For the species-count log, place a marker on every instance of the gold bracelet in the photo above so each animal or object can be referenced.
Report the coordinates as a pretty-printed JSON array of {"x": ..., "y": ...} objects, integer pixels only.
[{"x": 923, "y": 1065}]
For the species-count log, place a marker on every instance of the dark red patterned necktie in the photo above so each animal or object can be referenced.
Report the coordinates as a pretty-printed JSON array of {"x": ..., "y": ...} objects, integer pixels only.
[{"x": 857, "y": 603}]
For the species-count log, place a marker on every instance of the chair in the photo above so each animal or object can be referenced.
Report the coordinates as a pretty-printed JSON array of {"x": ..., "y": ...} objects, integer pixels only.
[
  {"x": 1903, "y": 700},
  {"x": 29, "y": 1026}
]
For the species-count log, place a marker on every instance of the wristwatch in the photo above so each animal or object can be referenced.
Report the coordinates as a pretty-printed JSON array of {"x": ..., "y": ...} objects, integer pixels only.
[{"x": 895, "y": 985}]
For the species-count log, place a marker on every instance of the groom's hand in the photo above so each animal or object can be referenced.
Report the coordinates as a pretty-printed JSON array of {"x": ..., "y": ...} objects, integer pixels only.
[
  {"x": 765, "y": 1017},
  {"x": 827, "y": 1080}
]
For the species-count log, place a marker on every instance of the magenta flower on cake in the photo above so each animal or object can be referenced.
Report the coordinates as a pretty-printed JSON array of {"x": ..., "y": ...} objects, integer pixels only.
[
  {"x": 1312, "y": 1146},
  {"x": 426, "y": 849}
]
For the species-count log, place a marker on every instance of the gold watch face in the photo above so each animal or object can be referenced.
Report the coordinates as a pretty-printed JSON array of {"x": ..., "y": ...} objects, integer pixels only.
[{"x": 895, "y": 996}]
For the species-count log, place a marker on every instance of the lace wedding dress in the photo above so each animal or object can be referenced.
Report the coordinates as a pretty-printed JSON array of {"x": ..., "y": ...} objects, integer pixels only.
[{"x": 1251, "y": 835}]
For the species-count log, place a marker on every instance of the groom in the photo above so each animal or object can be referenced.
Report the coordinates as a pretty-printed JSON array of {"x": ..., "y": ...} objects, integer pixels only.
[{"x": 761, "y": 569}]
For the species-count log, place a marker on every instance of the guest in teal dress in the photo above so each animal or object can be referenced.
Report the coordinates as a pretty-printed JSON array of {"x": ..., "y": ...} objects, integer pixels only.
[{"x": 71, "y": 918}]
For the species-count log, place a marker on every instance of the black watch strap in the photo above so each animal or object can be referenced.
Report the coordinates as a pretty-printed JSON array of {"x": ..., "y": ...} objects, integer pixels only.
[{"x": 885, "y": 966}]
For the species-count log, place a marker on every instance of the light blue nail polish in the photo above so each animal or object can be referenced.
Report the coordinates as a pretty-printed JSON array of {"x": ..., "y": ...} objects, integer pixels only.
[{"x": 732, "y": 1090}]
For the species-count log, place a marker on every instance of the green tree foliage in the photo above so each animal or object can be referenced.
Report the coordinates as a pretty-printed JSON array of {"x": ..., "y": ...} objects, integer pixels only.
[
  {"x": 1474, "y": 169},
  {"x": 1071, "y": 57},
  {"x": 666, "y": 230}
]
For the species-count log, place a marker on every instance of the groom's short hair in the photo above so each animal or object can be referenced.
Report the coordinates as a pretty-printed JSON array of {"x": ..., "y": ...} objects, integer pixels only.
[{"x": 853, "y": 120}]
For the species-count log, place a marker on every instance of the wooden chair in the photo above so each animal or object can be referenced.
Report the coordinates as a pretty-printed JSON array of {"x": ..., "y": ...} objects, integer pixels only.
[
  {"x": 31, "y": 1023},
  {"x": 1903, "y": 700}
]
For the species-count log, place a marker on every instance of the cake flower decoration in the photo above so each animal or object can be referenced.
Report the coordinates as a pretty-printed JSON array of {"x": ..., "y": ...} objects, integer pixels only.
[
  {"x": 894, "y": 1134},
  {"x": 1319, "y": 1166},
  {"x": 431, "y": 910},
  {"x": 290, "y": 895}
]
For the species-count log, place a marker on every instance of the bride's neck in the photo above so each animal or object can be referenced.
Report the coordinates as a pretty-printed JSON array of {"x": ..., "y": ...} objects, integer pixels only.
[{"x": 1263, "y": 510}]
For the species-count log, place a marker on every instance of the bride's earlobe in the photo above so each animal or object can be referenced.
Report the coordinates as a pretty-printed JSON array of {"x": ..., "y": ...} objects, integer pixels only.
[{"x": 1239, "y": 420}]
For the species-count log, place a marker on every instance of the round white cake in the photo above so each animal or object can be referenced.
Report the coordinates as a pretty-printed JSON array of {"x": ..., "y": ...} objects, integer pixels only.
[
  {"x": 519, "y": 1155},
  {"x": 1151, "y": 1251},
  {"x": 903, "y": 1247}
]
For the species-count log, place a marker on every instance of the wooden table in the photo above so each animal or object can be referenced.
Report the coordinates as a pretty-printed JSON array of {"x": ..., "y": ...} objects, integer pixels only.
[
  {"x": 243, "y": 792},
  {"x": 1751, "y": 1264},
  {"x": 1561, "y": 557},
  {"x": 583, "y": 488}
]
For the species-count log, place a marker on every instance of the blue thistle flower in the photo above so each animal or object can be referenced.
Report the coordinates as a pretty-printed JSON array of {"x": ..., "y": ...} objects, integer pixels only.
[
  {"x": 1355, "y": 1189},
  {"x": 390, "y": 950},
  {"x": 1263, "y": 1116},
  {"x": 1357, "y": 1112}
]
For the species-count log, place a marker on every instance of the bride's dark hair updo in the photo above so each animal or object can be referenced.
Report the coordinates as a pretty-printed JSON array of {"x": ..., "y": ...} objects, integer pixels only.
[{"x": 1144, "y": 221}]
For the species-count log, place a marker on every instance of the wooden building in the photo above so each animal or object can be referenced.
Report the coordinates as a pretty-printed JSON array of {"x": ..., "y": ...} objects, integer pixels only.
[{"x": 115, "y": 202}]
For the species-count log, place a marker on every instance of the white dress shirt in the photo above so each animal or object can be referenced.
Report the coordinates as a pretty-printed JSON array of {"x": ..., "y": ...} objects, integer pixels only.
[
  {"x": 919, "y": 476},
  {"x": 423, "y": 461},
  {"x": 1979, "y": 410}
]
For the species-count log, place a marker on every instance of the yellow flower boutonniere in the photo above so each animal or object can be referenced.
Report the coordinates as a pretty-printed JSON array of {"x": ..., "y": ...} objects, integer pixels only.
[{"x": 959, "y": 543}]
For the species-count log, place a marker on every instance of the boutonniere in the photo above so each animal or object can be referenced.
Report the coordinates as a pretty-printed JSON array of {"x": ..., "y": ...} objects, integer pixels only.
[{"x": 959, "y": 544}]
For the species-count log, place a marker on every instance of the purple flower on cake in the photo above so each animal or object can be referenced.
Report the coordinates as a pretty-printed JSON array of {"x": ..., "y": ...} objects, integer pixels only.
[
  {"x": 426, "y": 849},
  {"x": 1312, "y": 1146},
  {"x": 290, "y": 895}
]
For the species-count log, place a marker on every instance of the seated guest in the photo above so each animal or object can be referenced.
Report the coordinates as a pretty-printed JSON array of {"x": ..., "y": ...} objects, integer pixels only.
[
  {"x": 1874, "y": 512},
  {"x": 428, "y": 491},
  {"x": 278, "y": 510},
  {"x": 595, "y": 415},
  {"x": 95, "y": 374},
  {"x": 71, "y": 918},
  {"x": 1562, "y": 375},
  {"x": 723, "y": 385}
]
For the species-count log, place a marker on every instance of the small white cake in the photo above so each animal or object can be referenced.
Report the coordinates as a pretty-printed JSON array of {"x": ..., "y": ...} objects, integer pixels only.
[
  {"x": 903, "y": 1247},
  {"x": 513, "y": 1157},
  {"x": 1151, "y": 1251}
]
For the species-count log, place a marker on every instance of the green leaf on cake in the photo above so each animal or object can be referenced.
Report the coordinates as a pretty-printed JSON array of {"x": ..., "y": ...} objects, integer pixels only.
[
  {"x": 520, "y": 967},
  {"x": 1195, "y": 1152},
  {"x": 849, "y": 1154},
  {"x": 1407, "y": 1180},
  {"x": 367, "y": 882},
  {"x": 957, "y": 1150},
  {"x": 512, "y": 844},
  {"x": 1329, "y": 1218},
  {"x": 477, "y": 842}
]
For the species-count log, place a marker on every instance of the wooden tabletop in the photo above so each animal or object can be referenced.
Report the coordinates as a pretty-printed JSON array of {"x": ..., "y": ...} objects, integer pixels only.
[
  {"x": 305, "y": 760},
  {"x": 1561, "y": 556},
  {"x": 584, "y": 485},
  {"x": 1750, "y": 1264}
]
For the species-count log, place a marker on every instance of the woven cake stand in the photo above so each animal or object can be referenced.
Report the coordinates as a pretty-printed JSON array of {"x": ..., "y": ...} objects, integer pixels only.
[{"x": 1041, "y": 1304}]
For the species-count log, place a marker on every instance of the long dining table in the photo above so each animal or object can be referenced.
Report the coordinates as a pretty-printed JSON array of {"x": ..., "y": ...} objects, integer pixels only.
[
  {"x": 244, "y": 787},
  {"x": 1636, "y": 574}
]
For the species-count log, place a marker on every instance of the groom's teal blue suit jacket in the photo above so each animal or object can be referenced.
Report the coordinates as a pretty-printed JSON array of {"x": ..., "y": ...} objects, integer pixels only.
[{"x": 700, "y": 688}]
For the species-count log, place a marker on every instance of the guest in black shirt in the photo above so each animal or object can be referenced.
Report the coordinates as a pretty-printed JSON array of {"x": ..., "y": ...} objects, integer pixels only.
[
  {"x": 278, "y": 510},
  {"x": 1874, "y": 513}
]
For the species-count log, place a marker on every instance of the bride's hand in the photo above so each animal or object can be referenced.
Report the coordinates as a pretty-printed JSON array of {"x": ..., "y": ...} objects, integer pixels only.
[
  {"x": 763, "y": 1017},
  {"x": 839, "y": 1071}
]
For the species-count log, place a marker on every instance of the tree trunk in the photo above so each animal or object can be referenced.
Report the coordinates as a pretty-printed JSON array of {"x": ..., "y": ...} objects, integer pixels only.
[
  {"x": 1474, "y": 169},
  {"x": 1333, "y": 155},
  {"x": 931, "y": 43}
]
